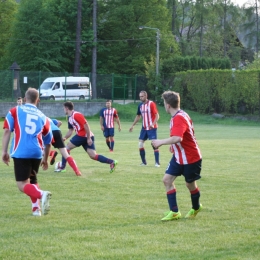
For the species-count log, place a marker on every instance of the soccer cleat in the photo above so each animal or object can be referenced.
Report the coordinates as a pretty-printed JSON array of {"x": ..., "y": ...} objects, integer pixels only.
[
  {"x": 78, "y": 173},
  {"x": 113, "y": 166},
  {"x": 157, "y": 165},
  {"x": 60, "y": 170},
  {"x": 143, "y": 164},
  {"x": 52, "y": 161},
  {"x": 172, "y": 216},
  {"x": 111, "y": 151},
  {"x": 192, "y": 213},
  {"x": 37, "y": 213},
  {"x": 46, "y": 196}
]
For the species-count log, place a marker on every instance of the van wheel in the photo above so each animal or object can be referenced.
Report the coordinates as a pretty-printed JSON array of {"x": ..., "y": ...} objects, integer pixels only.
[
  {"x": 81, "y": 97},
  {"x": 52, "y": 98}
]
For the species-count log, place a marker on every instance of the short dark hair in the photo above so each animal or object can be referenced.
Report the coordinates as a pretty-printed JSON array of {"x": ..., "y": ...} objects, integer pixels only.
[
  {"x": 172, "y": 98},
  {"x": 19, "y": 98},
  {"x": 69, "y": 105}
]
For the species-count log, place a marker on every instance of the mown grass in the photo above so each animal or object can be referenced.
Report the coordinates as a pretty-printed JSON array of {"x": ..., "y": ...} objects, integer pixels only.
[{"x": 117, "y": 216}]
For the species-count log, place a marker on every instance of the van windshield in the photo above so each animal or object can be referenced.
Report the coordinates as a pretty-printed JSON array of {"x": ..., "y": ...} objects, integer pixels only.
[{"x": 46, "y": 85}]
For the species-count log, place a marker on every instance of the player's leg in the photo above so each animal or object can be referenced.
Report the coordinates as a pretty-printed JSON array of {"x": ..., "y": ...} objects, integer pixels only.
[
  {"x": 106, "y": 135},
  {"x": 112, "y": 141},
  {"x": 62, "y": 167},
  {"x": 53, "y": 155},
  {"x": 70, "y": 160},
  {"x": 59, "y": 143},
  {"x": 171, "y": 174},
  {"x": 142, "y": 138},
  {"x": 191, "y": 174},
  {"x": 24, "y": 169},
  {"x": 91, "y": 151},
  {"x": 152, "y": 134}
]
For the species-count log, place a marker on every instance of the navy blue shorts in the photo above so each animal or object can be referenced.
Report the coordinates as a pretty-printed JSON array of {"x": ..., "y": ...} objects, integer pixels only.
[
  {"x": 191, "y": 172},
  {"x": 148, "y": 134},
  {"x": 108, "y": 132},
  {"x": 82, "y": 141}
]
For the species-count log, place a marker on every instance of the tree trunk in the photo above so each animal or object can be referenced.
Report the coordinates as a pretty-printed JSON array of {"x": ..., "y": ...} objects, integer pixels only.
[
  {"x": 78, "y": 40},
  {"x": 94, "y": 52}
]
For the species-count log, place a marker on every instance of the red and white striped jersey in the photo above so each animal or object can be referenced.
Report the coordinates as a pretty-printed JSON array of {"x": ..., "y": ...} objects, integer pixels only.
[
  {"x": 187, "y": 151},
  {"x": 77, "y": 121},
  {"x": 108, "y": 117},
  {"x": 148, "y": 111}
]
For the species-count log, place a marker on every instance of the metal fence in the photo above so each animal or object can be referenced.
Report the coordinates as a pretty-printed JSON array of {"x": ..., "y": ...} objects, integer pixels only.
[{"x": 14, "y": 83}]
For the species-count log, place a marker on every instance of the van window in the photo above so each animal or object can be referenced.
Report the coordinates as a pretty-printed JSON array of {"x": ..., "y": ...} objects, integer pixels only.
[
  {"x": 56, "y": 86},
  {"x": 71, "y": 86},
  {"x": 46, "y": 85},
  {"x": 84, "y": 85}
]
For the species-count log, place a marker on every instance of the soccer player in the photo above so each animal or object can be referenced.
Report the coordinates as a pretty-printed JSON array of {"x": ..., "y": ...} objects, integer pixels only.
[
  {"x": 29, "y": 126},
  {"x": 59, "y": 143},
  {"x": 84, "y": 137},
  {"x": 186, "y": 158},
  {"x": 19, "y": 101},
  {"x": 107, "y": 116},
  {"x": 148, "y": 111}
]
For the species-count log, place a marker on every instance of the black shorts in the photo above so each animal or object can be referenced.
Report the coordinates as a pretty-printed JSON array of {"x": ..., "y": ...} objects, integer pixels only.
[
  {"x": 191, "y": 172},
  {"x": 58, "y": 141},
  {"x": 26, "y": 168}
]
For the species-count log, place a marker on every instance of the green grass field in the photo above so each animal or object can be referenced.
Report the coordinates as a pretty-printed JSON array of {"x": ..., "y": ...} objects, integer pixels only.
[{"x": 117, "y": 216}]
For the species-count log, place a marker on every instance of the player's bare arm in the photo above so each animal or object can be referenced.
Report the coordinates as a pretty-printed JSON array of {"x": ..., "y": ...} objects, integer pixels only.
[
  {"x": 5, "y": 142},
  {"x": 119, "y": 124},
  {"x": 87, "y": 129},
  {"x": 137, "y": 118},
  {"x": 155, "y": 121},
  {"x": 68, "y": 135},
  {"x": 101, "y": 120},
  {"x": 171, "y": 140},
  {"x": 59, "y": 123},
  {"x": 44, "y": 162}
]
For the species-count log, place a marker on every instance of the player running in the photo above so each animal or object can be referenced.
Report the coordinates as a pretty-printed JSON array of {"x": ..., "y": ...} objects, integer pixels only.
[
  {"x": 107, "y": 116},
  {"x": 84, "y": 137},
  {"x": 29, "y": 125}
]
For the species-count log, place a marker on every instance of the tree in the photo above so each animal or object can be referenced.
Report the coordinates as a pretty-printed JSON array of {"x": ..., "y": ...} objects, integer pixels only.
[
  {"x": 78, "y": 39},
  {"x": 32, "y": 44},
  {"x": 123, "y": 48},
  {"x": 7, "y": 10}
]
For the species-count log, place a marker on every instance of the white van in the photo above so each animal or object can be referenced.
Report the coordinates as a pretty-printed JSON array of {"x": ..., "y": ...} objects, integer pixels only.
[{"x": 57, "y": 88}]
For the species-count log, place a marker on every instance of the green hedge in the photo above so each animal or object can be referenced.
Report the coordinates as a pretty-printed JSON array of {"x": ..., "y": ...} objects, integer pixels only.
[{"x": 220, "y": 91}]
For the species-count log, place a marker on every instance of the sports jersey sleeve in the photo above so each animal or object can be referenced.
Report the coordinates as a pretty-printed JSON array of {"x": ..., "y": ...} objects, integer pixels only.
[
  {"x": 139, "y": 110},
  {"x": 102, "y": 112},
  {"x": 115, "y": 114},
  {"x": 154, "y": 108},
  {"x": 55, "y": 121},
  {"x": 9, "y": 120},
  {"x": 179, "y": 126},
  {"x": 47, "y": 132}
]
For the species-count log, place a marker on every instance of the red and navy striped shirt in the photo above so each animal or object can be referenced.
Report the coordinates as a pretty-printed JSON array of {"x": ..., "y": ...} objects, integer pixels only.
[
  {"x": 108, "y": 117},
  {"x": 148, "y": 111},
  {"x": 187, "y": 151}
]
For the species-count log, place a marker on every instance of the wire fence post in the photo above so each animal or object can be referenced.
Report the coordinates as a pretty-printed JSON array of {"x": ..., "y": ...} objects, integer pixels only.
[
  {"x": 113, "y": 82},
  {"x": 135, "y": 88}
]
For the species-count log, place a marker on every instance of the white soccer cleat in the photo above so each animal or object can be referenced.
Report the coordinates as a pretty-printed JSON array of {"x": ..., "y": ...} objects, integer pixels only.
[
  {"x": 157, "y": 165},
  {"x": 143, "y": 164},
  {"x": 37, "y": 213},
  {"x": 46, "y": 196}
]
